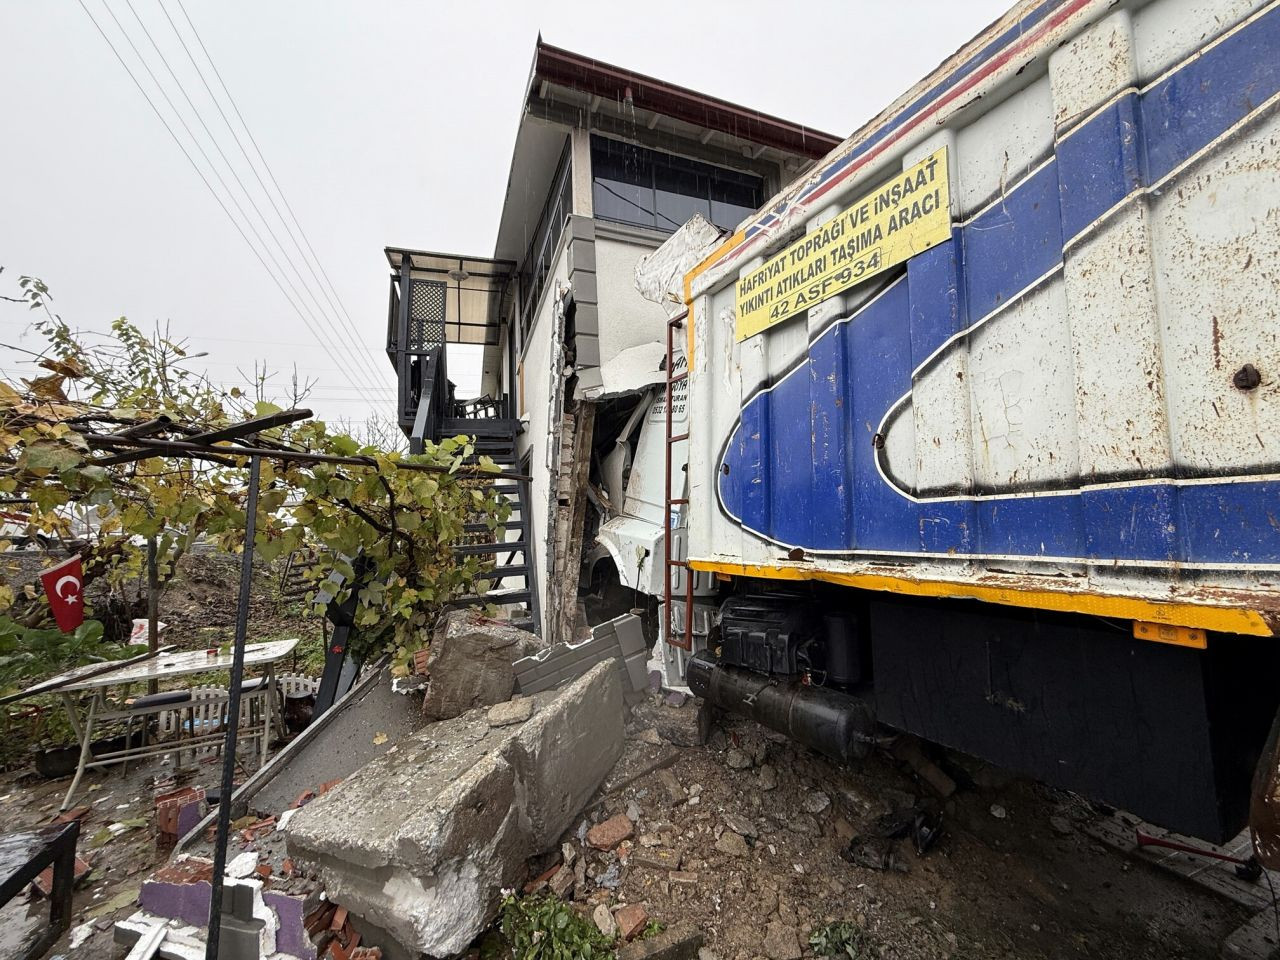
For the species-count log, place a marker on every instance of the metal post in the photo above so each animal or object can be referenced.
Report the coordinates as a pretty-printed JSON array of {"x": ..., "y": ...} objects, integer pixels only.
[
  {"x": 666, "y": 500},
  {"x": 153, "y": 607},
  {"x": 233, "y": 715}
]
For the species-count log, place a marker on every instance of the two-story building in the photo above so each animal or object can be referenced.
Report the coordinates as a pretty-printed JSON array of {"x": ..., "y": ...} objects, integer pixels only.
[{"x": 607, "y": 164}]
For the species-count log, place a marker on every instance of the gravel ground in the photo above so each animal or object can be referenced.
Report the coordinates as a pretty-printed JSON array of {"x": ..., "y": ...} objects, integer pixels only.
[{"x": 757, "y": 827}]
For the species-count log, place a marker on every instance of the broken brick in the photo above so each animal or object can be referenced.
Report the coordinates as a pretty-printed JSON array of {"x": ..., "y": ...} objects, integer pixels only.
[
  {"x": 305, "y": 797},
  {"x": 179, "y": 810},
  {"x": 44, "y": 879},
  {"x": 75, "y": 813},
  {"x": 610, "y": 833},
  {"x": 339, "y": 919},
  {"x": 263, "y": 870},
  {"x": 327, "y": 786},
  {"x": 631, "y": 920},
  {"x": 540, "y": 881},
  {"x": 186, "y": 870},
  {"x": 319, "y": 919}
]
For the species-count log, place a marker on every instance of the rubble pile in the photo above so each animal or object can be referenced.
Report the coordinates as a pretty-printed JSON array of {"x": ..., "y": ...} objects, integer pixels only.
[
  {"x": 421, "y": 841},
  {"x": 469, "y": 663},
  {"x": 671, "y": 830}
]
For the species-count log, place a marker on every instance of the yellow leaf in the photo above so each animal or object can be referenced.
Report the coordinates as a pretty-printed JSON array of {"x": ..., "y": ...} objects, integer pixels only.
[
  {"x": 68, "y": 367},
  {"x": 50, "y": 388}
]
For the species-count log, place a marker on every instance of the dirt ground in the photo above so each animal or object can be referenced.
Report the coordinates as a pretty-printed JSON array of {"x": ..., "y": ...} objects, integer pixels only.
[
  {"x": 1027, "y": 884},
  {"x": 119, "y": 861}
]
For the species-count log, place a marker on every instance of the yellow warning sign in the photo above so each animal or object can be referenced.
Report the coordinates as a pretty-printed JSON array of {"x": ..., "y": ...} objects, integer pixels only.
[{"x": 891, "y": 224}]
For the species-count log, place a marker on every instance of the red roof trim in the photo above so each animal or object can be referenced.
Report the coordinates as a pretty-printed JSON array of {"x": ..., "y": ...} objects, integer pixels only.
[{"x": 568, "y": 69}]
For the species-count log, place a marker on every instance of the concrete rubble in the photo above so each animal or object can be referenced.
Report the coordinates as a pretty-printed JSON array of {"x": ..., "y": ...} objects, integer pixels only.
[
  {"x": 619, "y": 641},
  {"x": 451, "y": 815},
  {"x": 469, "y": 663}
]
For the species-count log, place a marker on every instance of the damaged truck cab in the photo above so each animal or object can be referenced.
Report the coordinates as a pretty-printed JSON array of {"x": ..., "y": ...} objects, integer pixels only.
[{"x": 982, "y": 417}]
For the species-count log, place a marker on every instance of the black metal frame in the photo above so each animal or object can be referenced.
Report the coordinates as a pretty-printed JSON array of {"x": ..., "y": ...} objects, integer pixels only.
[{"x": 55, "y": 846}]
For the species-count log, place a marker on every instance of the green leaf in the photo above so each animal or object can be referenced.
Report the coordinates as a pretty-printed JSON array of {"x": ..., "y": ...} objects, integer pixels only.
[{"x": 49, "y": 456}]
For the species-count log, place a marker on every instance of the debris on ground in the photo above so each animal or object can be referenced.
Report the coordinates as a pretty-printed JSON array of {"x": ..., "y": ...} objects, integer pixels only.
[
  {"x": 449, "y": 819},
  {"x": 643, "y": 826},
  {"x": 469, "y": 663}
]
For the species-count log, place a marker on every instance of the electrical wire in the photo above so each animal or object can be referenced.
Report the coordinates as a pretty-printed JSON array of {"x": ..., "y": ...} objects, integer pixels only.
[
  {"x": 339, "y": 329},
  {"x": 333, "y": 330},
  {"x": 257, "y": 150},
  {"x": 208, "y": 186}
]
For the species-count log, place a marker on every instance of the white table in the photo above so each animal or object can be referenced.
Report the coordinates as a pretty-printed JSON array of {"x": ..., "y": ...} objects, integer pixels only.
[{"x": 163, "y": 667}]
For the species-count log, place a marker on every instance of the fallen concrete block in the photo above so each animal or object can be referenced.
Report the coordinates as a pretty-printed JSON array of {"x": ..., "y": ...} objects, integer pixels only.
[
  {"x": 451, "y": 817},
  {"x": 620, "y": 640},
  {"x": 513, "y": 711},
  {"x": 470, "y": 663}
]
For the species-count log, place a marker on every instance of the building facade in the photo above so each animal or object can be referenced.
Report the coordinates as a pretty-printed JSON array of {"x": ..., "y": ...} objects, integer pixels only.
[{"x": 607, "y": 164}]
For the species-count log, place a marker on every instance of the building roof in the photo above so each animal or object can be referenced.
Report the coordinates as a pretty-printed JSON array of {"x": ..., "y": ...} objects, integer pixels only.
[
  {"x": 644, "y": 93},
  {"x": 567, "y": 89}
]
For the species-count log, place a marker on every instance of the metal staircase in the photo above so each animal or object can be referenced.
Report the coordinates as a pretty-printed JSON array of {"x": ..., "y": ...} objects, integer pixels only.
[
  {"x": 510, "y": 545},
  {"x": 438, "y": 300}
]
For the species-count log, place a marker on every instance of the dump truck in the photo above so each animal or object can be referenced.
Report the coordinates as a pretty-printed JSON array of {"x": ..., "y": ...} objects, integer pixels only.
[{"x": 980, "y": 417}]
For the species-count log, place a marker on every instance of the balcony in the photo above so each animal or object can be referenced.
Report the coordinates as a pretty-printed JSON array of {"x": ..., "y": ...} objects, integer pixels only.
[{"x": 439, "y": 299}]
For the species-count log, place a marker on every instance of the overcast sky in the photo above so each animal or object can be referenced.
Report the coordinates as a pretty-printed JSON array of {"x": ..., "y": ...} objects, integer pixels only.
[{"x": 387, "y": 123}]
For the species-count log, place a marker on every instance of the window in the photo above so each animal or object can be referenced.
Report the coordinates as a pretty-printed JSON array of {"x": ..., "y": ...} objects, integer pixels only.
[
  {"x": 536, "y": 266},
  {"x": 635, "y": 185}
]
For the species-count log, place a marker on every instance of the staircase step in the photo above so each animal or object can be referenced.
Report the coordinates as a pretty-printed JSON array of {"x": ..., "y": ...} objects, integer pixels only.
[
  {"x": 479, "y": 428},
  {"x": 496, "y": 597},
  {"x": 484, "y": 527},
  {"x": 468, "y": 549},
  {"x": 503, "y": 571}
]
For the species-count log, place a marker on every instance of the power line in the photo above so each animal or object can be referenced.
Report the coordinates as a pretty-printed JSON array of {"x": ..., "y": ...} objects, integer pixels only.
[
  {"x": 270, "y": 174},
  {"x": 205, "y": 180},
  {"x": 333, "y": 328},
  {"x": 192, "y": 337},
  {"x": 339, "y": 329}
]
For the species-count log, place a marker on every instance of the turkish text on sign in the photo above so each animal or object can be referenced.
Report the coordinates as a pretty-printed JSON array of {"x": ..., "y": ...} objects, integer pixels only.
[{"x": 888, "y": 226}]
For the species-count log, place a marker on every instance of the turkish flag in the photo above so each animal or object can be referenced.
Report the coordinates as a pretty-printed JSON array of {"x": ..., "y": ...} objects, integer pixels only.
[{"x": 64, "y": 587}]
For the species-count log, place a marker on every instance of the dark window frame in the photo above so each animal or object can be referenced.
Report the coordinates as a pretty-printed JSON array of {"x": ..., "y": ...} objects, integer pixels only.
[
  {"x": 539, "y": 259},
  {"x": 626, "y": 175}
]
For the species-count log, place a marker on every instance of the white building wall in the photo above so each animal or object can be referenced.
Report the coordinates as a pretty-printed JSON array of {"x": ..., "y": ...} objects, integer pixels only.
[
  {"x": 626, "y": 318},
  {"x": 541, "y": 366}
]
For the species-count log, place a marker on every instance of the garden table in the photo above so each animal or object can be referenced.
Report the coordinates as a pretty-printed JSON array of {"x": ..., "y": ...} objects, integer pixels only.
[{"x": 165, "y": 667}]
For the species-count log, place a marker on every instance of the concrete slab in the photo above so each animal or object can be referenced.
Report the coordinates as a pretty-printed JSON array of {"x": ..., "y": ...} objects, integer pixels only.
[
  {"x": 421, "y": 841},
  {"x": 469, "y": 663}
]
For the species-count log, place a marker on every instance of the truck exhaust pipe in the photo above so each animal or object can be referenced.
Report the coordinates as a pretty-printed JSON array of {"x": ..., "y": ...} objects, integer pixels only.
[{"x": 833, "y": 723}]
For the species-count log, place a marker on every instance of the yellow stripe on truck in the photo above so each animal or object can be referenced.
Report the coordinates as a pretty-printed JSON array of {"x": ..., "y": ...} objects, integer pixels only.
[
  {"x": 1199, "y": 616},
  {"x": 692, "y": 275}
]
